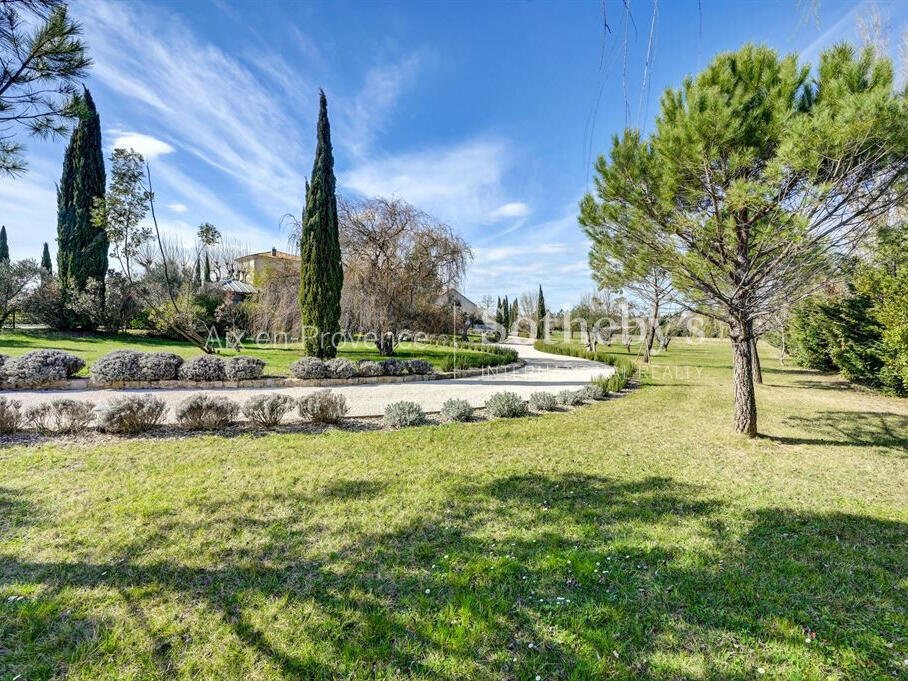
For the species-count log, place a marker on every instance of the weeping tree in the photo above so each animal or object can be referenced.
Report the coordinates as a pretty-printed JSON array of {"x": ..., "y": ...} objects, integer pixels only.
[
  {"x": 321, "y": 274},
  {"x": 760, "y": 178}
]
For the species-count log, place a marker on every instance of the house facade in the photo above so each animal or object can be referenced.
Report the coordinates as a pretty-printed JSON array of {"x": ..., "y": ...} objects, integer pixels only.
[{"x": 255, "y": 267}]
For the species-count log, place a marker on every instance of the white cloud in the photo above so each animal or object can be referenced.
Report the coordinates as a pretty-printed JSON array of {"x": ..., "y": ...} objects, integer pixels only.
[
  {"x": 178, "y": 207},
  {"x": 510, "y": 210},
  {"x": 150, "y": 147},
  {"x": 459, "y": 184}
]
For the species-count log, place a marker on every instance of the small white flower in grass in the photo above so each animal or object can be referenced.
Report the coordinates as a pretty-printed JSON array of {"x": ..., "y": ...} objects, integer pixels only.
[
  {"x": 538, "y": 678},
  {"x": 760, "y": 670},
  {"x": 428, "y": 591}
]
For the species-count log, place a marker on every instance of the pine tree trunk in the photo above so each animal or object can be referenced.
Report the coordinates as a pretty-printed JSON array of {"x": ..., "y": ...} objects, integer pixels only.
[
  {"x": 745, "y": 418},
  {"x": 755, "y": 358}
]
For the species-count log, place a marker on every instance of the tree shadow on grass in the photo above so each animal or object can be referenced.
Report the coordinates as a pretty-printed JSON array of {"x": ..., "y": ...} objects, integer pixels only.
[
  {"x": 850, "y": 429},
  {"x": 566, "y": 576}
]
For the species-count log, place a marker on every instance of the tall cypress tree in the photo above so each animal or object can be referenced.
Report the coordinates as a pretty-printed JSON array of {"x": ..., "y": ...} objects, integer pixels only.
[
  {"x": 82, "y": 246},
  {"x": 197, "y": 275},
  {"x": 540, "y": 314},
  {"x": 207, "y": 268},
  {"x": 515, "y": 313},
  {"x": 506, "y": 316},
  {"x": 45, "y": 260},
  {"x": 4, "y": 247},
  {"x": 321, "y": 274}
]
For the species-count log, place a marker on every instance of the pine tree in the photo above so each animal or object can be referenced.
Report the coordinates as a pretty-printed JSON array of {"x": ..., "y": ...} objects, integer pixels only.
[
  {"x": 321, "y": 274},
  {"x": 207, "y": 269},
  {"x": 540, "y": 315},
  {"x": 46, "y": 261},
  {"x": 4, "y": 247},
  {"x": 82, "y": 251}
]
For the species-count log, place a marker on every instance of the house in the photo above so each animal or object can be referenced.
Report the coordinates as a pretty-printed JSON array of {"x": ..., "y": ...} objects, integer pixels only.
[
  {"x": 454, "y": 297},
  {"x": 254, "y": 268},
  {"x": 237, "y": 290}
]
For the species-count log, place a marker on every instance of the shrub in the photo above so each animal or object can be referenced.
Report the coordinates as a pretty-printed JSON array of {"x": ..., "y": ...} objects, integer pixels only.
[
  {"x": 593, "y": 391},
  {"x": 42, "y": 366},
  {"x": 340, "y": 368},
  {"x": 308, "y": 367},
  {"x": 367, "y": 367},
  {"x": 543, "y": 401},
  {"x": 267, "y": 410},
  {"x": 419, "y": 366},
  {"x": 571, "y": 398},
  {"x": 456, "y": 410},
  {"x": 10, "y": 415},
  {"x": 129, "y": 365},
  {"x": 159, "y": 366},
  {"x": 3, "y": 359},
  {"x": 506, "y": 405},
  {"x": 204, "y": 368},
  {"x": 60, "y": 416},
  {"x": 204, "y": 412},
  {"x": 323, "y": 406},
  {"x": 243, "y": 368},
  {"x": 132, "y": 414},
  {"x": 403, "y": 414},
  {"x": 393, "y": 367}
]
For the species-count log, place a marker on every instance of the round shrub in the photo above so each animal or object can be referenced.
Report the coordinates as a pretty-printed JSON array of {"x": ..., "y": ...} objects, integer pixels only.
[
  {"x": 367, "y": 367},
  {"x": 593, "y": 391},
  {"x": 204, "y": 368},
  {"x": 404, "y": 414},
  {"x": 132, "y": 414},
  {"x": 340, "y": 368},
  {"x": 323, "y": 406},
  {"x": 60, "y": 416},
  {"x": 456, "y": 410},
  {"x": 159, "y": 366},
  {"x": 571, "y": 398},
  {"x": 205, "y": 412},
  {"x": 3, "y": 359},
  {"x": 308, "y": 367},
  {"x": 242, "y": 368},
  {"x": 419, "y": 367},
  {"x": 42, "y": 366},
  {"x": 543, "y": 401},
  {"x": 393, "y": 367},
  {"x": 267, "y": 410},
  {"x": 506, "y": 405},
  {"x": 116, "y": 366},
  {"x": 10, "y": 415}
]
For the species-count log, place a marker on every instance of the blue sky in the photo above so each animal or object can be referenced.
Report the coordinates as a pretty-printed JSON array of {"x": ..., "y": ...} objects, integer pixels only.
[{"x": 487, "y": 115}]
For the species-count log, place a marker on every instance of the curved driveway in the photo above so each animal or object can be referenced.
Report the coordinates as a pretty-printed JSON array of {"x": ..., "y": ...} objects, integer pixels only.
[{"x": 543, "y": 371}]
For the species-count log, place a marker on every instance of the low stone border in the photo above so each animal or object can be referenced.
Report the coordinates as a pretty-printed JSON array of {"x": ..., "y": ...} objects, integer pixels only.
[{"x": 267, "y": 382}]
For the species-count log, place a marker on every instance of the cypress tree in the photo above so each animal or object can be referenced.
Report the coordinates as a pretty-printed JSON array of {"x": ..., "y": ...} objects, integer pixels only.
[
  {"x": 207, "y": 269},
  {"x": 82, "y": 250},
  {"x": 515, "y": 312},
  {"x": 4, "y": 247},
  {"x": 45, "y": 260},
  {"x": 197, "y": 275},
  {"x": 321, "y": 274},
  {"x": 540, "y": 314},
  {"x": 506, "y": 315}
]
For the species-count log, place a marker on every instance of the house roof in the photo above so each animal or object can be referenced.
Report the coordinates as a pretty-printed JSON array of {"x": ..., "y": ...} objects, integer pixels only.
[
  {"x": 454, "y": 293},
  {"x": 279, "y": 255},
  {"x": 236, "y": 286}
]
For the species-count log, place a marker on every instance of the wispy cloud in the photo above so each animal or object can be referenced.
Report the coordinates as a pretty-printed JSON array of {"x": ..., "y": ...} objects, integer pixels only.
[
  {"x": 178, "y": 207},
  {"x": 150, "y": 147},
  {"x": 510, "y": 210}
]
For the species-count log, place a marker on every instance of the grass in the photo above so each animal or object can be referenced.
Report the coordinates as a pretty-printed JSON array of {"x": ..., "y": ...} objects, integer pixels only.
[
  {"x": 278, "y": 358},
  {"x": 633, "y": 538}
]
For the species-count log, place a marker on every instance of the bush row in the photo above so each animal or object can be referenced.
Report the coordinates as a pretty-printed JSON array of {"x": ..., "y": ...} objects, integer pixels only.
[
  {"x": 313, "y": 367},
  {"x": 625, "y": 369},
  {"x": 41, "y": 367},
  {"x": 493, "y": 355},
  {"x": 132, "y": 414}
]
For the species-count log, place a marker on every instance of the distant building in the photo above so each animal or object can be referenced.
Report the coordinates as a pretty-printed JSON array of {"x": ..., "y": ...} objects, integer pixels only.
[
  {"x": 254, "y": 268},
  {"x": 453, "y": 296},
  {"x": 236, "y": 289}
]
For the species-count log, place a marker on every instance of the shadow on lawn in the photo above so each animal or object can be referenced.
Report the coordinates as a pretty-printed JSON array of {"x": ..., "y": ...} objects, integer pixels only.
[
  {"x": 579, "y": 566},
  {"x": 850, "y": 429}
]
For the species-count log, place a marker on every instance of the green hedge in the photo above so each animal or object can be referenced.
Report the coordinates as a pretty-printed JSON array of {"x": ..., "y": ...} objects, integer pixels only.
[{"x": 492, "y": 355}]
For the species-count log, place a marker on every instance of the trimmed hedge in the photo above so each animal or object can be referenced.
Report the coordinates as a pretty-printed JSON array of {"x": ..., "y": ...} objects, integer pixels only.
[
  {"x": 243, "y": 368},
  {"x": 130, "y": 365},
  {"x": 39, "y": 367},
  {"x": 204, "y": 368},
  {"x": 506, "y": 405},
  {"x": 404, "y": 414}
]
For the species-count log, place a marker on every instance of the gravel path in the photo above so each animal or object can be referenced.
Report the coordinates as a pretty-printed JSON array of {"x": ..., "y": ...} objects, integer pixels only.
[{"x": 543, "y": 371}]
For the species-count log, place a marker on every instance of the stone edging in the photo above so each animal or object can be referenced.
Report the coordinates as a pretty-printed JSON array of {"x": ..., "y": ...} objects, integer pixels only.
[{"x": 268, "y": 382}]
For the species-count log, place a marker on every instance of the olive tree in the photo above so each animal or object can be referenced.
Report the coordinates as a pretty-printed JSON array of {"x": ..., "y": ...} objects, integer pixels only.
[{"x": 760, "y": 178}]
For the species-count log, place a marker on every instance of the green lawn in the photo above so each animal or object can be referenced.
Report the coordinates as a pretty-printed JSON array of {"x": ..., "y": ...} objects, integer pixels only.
[
  {"x": 278, "y": 358},
  {"x": 635, "y": 538}
]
